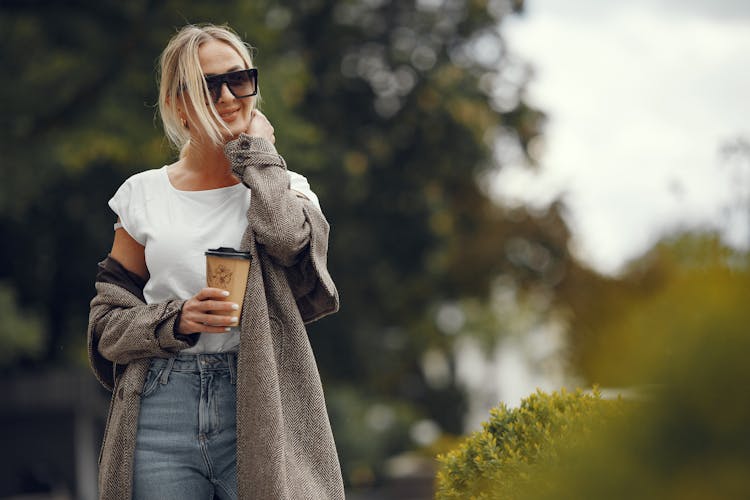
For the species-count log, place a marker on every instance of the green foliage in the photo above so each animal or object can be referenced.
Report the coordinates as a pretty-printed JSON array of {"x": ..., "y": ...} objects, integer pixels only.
[
  {"x": 686, "y": 283},
  {"x": 386, "y": 107},
  {"x": 687, "y": 438},
  {"x": 691, "y": 439},
  {"x": 370, "y": 428},
  {"x": 20, "y": 330},
  {"x": 504, "y": 459}
]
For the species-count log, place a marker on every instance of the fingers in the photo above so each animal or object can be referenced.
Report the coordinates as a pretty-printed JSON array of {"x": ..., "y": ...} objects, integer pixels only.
[
  {"x": 258, "y": 119},
  {"x": 189, "y": 327},
  {"x": 260, "y": 126},
  {"x": 218, "y": 306},
  {"x": 211, "y": 293},
  {"x": 214, "y": 320},
  {"x": 195, "y": 320},
  {"x": 209, "y": 312},
  {"x": 258, "y": 113}
]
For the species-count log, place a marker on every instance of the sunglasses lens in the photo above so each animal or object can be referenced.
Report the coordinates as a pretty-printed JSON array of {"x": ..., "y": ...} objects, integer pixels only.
[
  {"x": 214, "y": 87},
  {"x": 241, "y": 83}
]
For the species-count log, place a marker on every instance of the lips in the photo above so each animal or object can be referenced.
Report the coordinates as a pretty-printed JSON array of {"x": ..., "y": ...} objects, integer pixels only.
[{"x": 229, "y": 114}]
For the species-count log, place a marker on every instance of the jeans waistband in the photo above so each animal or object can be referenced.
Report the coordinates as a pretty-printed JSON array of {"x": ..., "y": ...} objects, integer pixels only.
[{"x": 196, "y": 363}]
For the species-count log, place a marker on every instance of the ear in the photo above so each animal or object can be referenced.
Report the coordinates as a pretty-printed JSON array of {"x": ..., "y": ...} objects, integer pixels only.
[
  {"x": 168, "y": 102},
  {"x": 183, "y": 119},
  {"x": 180, "y": 109}
]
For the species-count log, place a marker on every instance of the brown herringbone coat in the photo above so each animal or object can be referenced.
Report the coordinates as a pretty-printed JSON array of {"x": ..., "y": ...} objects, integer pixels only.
[{"x": 285, "y": 448}]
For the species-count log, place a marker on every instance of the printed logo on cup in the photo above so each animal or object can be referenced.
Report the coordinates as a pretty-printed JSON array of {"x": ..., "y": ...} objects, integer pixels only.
[{"x": 228, "y": 269}]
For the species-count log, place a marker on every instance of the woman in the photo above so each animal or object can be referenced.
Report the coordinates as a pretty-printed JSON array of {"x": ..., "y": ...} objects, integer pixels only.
[{"x": 202, "y": 405}]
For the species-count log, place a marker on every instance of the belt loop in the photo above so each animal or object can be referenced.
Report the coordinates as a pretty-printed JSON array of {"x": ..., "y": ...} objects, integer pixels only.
[
  {"x": 167, "y": 369},
  {"x": 232, "y": 360}
]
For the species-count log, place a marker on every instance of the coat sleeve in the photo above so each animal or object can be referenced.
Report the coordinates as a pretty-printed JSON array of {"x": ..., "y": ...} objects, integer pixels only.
[
  {"x": 311, "y": 283},
  {"x": 122, "y": 327},
  {"x": 290, "y": 229},
  {"x": 276, "y": 213}
]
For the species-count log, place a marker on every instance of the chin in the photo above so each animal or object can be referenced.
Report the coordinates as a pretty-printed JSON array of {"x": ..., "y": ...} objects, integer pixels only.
[
  {"x": 238, "y": 130},
  {"x": 234, "y": 130},
  {"x": 239, "y": 126}
]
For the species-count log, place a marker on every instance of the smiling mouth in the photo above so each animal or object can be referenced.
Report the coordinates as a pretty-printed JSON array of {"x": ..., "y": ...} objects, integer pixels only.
[{"x": 229, "y": 115}]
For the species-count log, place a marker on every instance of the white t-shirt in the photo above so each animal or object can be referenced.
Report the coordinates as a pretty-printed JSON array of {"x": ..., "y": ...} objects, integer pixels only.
[{"x": 176, "y": 228}]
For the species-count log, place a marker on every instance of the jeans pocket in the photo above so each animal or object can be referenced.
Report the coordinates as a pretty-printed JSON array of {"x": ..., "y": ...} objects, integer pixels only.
[{"x": 152, "y": 381}]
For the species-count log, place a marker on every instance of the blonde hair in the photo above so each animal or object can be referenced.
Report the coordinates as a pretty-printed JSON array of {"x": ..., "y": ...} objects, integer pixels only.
[{"x": 181, "y": 80}]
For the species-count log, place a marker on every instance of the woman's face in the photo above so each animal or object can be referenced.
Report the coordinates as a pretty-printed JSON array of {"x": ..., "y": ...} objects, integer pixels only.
[{"x": 217, "y": 58}]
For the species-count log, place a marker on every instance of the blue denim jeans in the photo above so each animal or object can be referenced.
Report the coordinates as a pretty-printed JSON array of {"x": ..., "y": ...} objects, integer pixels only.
[{"x": 186, "y": 442}]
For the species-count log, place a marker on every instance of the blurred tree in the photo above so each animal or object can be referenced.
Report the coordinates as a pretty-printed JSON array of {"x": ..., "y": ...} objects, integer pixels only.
[
  {"x": 679, "y": 283},
  {"x": 688, "y": 339},
  {"x": 21, "y": 333},
  {"x": 393, "y": 110},
  {"x": 685, "y": 435}
]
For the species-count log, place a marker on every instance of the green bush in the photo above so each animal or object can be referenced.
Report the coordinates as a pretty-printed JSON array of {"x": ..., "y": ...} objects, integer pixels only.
[
  {"x": 503, "y": 460},
  {"x": 689, "y": 440}
]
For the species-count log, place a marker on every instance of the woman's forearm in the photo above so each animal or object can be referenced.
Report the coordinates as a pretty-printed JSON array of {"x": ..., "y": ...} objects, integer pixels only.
[{"x": 276, "y": 213}]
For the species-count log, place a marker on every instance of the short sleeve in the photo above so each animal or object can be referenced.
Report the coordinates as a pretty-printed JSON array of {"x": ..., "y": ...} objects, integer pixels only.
[
  {"x": 125, "y": 203},
  {"x": 299, "y": 183}
]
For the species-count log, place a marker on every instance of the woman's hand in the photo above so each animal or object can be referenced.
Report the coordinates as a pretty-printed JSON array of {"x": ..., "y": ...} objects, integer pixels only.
[
  {"x": 260, "y": 126},
  {"x": 207, "y": 312}
]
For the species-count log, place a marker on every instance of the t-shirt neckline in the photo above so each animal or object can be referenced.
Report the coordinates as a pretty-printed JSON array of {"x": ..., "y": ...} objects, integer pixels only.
[{"x": 224, "y": 189}]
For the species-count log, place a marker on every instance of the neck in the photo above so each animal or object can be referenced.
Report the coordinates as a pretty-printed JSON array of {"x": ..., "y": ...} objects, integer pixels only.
[
  {"x": 204, "y": 166},
  {"x": 206, "y": 158},
  {"x": 207, "y": 161}
]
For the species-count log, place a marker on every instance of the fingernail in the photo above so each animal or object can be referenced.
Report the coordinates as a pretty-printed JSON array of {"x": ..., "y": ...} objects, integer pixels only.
[
  {"x": 225, "y": 293},
  {"x": 227, "y": 329},
  {"x": 235, "y": 320},
  {"x": 235, "y": 306}
]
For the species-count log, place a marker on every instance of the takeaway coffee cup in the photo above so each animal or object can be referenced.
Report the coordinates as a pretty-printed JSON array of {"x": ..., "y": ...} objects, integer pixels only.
[{"x": 227, "y": 268}]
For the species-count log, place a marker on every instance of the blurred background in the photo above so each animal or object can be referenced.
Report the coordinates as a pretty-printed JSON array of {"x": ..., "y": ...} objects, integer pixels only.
[{"x": 505, "y": 181}]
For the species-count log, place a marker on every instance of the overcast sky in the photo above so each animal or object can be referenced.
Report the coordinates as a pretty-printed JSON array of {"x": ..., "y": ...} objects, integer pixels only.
[{"x": 640, "y": 97}]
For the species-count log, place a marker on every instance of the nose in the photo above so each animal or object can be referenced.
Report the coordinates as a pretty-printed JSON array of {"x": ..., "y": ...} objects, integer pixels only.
[{"x": 225, "y": 94}]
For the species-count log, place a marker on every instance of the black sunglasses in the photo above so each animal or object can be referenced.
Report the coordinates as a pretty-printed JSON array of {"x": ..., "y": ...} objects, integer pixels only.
[{"x": 242, "y": 83}]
